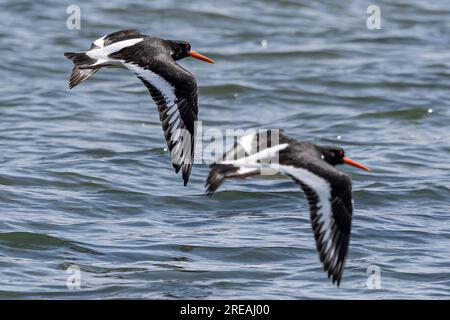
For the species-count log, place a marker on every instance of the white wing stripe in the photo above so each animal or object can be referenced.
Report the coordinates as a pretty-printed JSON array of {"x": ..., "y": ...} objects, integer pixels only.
[
  {"x": 323, "y": 190},
  {"x": 161, "y": 84},
  {"x": 166, "y": 89},
  {"x": 168, "y": 92},
  {"x": 177, "y": 147},
  {"x": 318, "y": 184},
  {"x": 246, "y": 142},
  {"x": 173, "y": 117},
  {"x": 176, "y": 136},
  {"x": 100, "y": 42},
  {"x": 177, "y": 123},
  {"x": 102, "y": 53},
  {"x": 251, "y": 160},
  {"x": 172, "y": 109}
]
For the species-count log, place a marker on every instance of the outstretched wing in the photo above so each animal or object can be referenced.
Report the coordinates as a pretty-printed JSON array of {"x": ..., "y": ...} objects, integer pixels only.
[
  {"x": 329, "y": 194},
  {"x": 174, "y": 91}
]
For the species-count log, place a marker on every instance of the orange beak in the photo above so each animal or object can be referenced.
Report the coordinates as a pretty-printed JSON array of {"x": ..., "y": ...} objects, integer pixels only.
[
  {"x": 355, "y": 164},
  {"x": 199, "y": 56}
]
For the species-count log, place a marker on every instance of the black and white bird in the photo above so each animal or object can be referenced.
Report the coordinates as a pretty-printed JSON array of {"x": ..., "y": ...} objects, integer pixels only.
[
  {"x": 172, "y": 87},
  {"x": 327, "y": 189}
]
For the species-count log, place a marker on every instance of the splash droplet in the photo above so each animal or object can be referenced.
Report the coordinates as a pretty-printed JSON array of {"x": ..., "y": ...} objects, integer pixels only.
[
  {"x": 264, "y": 43},
  {"x": 430, "y": 110}
]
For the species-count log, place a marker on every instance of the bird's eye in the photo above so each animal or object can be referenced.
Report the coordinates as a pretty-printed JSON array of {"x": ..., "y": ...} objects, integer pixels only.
[{"x": 341, "y": 153}]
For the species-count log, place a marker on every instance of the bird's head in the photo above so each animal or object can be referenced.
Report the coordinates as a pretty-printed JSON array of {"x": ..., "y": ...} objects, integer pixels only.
[
  {"x": 336, "y": 155},
  {"x": 182, "y": 49}
]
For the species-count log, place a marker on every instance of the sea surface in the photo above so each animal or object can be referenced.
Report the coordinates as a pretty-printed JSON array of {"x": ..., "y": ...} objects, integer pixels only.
[{"x": 87, "y": 190}]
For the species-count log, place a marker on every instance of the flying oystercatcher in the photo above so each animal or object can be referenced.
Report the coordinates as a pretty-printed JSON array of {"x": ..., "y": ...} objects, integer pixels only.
[
  {"x": 327, "y": 189},
  {"x": 153, "y": 61}
]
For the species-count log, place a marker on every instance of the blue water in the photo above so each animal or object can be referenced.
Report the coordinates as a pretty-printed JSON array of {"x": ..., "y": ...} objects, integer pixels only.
[{"x": 85, "y": 181}]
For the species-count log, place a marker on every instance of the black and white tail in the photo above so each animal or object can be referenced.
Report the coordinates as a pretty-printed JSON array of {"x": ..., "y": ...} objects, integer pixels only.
[
  {"x": 82, "y": 68},
  {"x": 217, "y": 174}
]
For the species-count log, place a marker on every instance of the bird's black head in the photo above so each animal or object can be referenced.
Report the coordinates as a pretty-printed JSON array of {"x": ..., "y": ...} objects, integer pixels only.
[
  {"x": 182, "y": 49},
  {"x": 333, "y": 155},
  {"x": 336, "y": 155}
]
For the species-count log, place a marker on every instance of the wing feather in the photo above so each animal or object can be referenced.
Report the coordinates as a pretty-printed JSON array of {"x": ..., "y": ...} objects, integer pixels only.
[{"x": 177, "y": 113}]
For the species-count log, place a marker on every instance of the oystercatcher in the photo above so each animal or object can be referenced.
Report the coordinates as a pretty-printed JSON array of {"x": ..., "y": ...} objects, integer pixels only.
[
  {"x": 327, "y": 189},
  {"x": 153, "y": 61}
]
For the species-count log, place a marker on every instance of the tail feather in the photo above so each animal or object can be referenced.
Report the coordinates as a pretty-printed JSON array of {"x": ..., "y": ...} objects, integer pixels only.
[
  {"x": 80, "y": 58},
  {"x": 80, "y": 75},
  {"x": 219, "y": 172},
  {"x": 82, "y": 68},
  {"x": 217, "y": 175}
]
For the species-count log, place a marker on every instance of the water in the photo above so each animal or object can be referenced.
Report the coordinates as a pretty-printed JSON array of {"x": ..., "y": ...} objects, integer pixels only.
[{"x": 85, "y": 180}]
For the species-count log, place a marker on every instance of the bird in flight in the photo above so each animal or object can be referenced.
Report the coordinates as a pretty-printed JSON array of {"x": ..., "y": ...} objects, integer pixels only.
[
  {"x": 327, "y": 189},
  {"x": 154, "y": 61}
]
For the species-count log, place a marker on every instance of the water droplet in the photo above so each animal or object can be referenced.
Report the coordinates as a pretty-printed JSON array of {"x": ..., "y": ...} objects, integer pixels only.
[
  {"x": 430, "y": 110},
  {"x": 339, "y": 137},
  {"x": 165, "y": 149},
  {"x": 264, "y": 43},
  {"x": 235, "y": 95}
]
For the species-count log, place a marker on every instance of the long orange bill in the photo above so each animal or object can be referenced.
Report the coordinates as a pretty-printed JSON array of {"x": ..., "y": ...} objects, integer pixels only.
[
  {"x": 199, "y": 56},
  {"x": 355, "y": 164}
]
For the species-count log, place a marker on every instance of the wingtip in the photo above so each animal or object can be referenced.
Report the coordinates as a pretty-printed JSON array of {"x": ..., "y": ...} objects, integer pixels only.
[
  {"x": 333, "y": 275},
  {"x": 337, "y": 281},
  {"x": 209, "y": 192},
  {"x": 186, "y": 173}
]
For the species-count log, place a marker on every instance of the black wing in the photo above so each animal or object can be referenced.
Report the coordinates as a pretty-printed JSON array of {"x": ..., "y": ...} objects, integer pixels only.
[
  {"x": 174, "y": 90},
  {"x": 329, "y": 194}
]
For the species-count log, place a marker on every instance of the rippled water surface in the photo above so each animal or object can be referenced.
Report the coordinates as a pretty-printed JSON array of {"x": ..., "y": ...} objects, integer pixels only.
[{"x": 85, "y": 180}]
